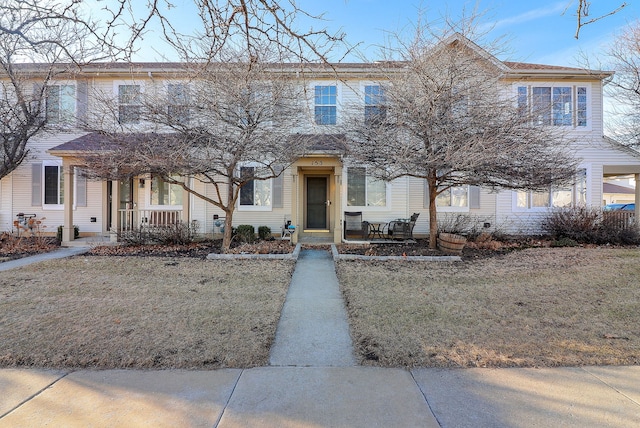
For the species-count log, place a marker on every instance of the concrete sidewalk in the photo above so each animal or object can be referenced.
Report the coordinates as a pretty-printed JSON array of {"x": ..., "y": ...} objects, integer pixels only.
[{"x": 323, "y": 397}]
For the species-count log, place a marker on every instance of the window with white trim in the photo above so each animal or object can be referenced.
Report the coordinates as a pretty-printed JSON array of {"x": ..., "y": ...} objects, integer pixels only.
[
  {"x": 255, "y": 194},
  {"x": 364, "y": 190},
  {"x": 129, "y": 104},
  {"x": 47, "y": 186},
  {"x": 60, "y": 104},
  {"x": 454, "y": 197},
  {"x": 164, "y": 193},
  {"x": 326, "y": 104},
  {"x": 375, "y": 110},
  {"x": 53, "y": 185},
  {"x": 554, "y": 105},
  {"x": 556, "y": 197},
  {"x": 178, "y": 98}
]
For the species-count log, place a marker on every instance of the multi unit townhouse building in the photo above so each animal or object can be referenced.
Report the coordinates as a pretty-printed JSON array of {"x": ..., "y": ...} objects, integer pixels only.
[{"x": 316, "y": 190}]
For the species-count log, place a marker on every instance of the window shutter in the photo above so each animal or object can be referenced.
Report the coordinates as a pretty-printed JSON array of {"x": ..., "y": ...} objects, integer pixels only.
[
  {"x": 426, "y": 194},
  {"x": 36, "y": 184},
  {"x": 81, "y": 188},
  {"x": 82, "y": 95},
  {"x": 39, "y": 103},
  {"x": 278, "y": 188},
  {"x": 474, "y": 197}
]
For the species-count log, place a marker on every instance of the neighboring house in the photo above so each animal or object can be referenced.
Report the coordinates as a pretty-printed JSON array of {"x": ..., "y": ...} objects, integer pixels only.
[
  {"x": 315, "y": 191},
  {"x": 613, "y": 193}
]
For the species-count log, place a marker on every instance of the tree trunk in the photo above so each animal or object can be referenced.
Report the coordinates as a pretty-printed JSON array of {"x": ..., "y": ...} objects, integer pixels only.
[
  {"x": 228, "y": 229},
  {"x": 433, "y": 213},
  {"x": 229, "y": 209}
]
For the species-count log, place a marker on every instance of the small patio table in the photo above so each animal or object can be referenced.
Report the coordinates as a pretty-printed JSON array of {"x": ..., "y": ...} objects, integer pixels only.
[{"x": 376, "y": 229}]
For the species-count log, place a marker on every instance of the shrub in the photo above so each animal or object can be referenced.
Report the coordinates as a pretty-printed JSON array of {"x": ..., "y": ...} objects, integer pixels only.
[
  {"x": 462, "y": 224},
  {"x": 264, "y": 232},
  {"x": 174, "y": 234},
  {"x": 245, "y": 233},
  {"x": 564, "y": 242},
  {"x": 76, "y": 232},
  {"x": 589, "y": 226}
]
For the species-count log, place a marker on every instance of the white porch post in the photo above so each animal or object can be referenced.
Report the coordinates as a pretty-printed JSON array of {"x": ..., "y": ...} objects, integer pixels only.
[
  {"x": 115, "y": 213},
  {"x": 637, "y": 200},
  {"x": 67, "y": 229}
]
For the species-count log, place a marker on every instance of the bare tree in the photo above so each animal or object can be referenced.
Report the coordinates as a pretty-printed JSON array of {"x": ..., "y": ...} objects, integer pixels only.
[
  {"x": 226, "y": 125},
  {"x": 444, "y": 115},
  {"x": 584, "y": 17},
  {"x": 41, "y": 41},
  {"x": 623, "y": 56}
]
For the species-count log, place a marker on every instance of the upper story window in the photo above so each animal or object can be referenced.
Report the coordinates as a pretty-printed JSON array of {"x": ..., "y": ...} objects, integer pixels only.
[
  {"x": 129, "y": 104},
  {"x": 554, "y": 105},
  {"x": 375, "y": 110},
  {"x": 60, "y": 104},
  {"x": 166, "y": 194},
  {"x": 255, "y": 193},
  {"x": 178, "y": 108},
  {"x": 326, "y": 105},
  {"x": 556, "y": 197},
  {"x": 364, "y": 190}
]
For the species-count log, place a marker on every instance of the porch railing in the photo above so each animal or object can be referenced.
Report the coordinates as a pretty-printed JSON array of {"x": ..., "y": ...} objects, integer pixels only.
[
  {"x": 134, "y": 219},
  {"x": 619, "y": 219}
]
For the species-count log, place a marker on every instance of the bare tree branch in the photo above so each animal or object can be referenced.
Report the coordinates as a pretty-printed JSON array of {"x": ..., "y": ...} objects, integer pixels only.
[
  {"x": 448, "y": 120},
  {"x": 582, "y": 12}
]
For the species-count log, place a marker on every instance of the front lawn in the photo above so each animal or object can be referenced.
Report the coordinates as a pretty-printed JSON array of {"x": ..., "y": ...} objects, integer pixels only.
[{"x": 535, "y": 307}]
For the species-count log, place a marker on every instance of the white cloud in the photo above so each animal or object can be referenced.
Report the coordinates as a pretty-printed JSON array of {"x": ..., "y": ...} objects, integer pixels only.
[{"x": 554, "y": 9}]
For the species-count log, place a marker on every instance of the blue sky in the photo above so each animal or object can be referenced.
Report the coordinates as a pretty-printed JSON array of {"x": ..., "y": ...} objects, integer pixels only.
[{"x": 539, "y": 31}]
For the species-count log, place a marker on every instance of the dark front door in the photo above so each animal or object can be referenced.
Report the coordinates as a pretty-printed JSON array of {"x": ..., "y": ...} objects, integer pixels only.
[{"x": 316, "y": 202}]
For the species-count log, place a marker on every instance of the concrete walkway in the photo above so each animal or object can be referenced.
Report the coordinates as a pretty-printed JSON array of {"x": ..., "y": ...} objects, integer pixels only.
[
  {"x": 313, "y": 382},
  {"x": 57, "y": 254},
  {"x": 313, "y": 328}
]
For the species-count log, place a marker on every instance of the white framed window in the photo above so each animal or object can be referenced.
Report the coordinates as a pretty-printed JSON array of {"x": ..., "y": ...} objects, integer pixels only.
[
  {"x": 375, "y": 110},
  {"x": 129, "y": 103},
  {"x": 556, "y": 197},
  {"x": 555, "y": 104},
  {"x": 60, "y": 103},
  {"x": 178, "y": 102},
  {"x": 164, "y": 194},
  {"x": 453, "y": 199},
  {"x": 325, "y": 104},
  {"x": 364, "y": 190},
  {"x": 255, "y": 195},
  {"x": 52, "y": 185}
]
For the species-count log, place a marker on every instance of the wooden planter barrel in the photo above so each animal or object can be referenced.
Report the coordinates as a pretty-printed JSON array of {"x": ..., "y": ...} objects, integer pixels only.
[{"x": 451, "y": 243}]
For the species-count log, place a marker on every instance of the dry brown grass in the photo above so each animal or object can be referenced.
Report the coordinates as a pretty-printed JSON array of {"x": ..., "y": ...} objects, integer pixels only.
[
  {"x": 537, "y": 307},
  {"x": 108, "y": 312}
]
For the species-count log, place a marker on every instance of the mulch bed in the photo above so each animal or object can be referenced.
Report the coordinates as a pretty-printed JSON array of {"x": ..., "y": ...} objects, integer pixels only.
[
  {"x": 13, "y": 247},
  {"x": 472, "y": 250},
  {"x": 193, "y": 250}
]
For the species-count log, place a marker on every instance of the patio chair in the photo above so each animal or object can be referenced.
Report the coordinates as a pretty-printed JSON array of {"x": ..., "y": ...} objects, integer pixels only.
[
  {"x": 288, "y": 229},
  {"x": 354, "y": 225},
  {"x": 403, "y": 228}
]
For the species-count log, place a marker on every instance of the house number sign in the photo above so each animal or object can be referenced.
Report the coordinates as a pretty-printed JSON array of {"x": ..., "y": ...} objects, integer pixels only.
[{"x": 316, "y": 163}]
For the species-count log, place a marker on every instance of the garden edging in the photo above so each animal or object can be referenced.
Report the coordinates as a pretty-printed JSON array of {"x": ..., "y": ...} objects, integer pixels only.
[{"x": 337, "y": 256}]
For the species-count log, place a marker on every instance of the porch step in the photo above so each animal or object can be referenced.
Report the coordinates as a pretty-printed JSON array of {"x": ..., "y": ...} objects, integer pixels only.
[{"x": 315, "y": 240}]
